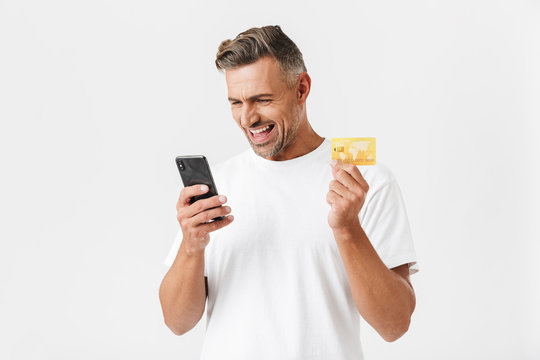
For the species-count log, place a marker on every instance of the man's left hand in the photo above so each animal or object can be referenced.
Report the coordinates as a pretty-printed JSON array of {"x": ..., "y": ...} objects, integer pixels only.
[{"x": 346, "y": 196}]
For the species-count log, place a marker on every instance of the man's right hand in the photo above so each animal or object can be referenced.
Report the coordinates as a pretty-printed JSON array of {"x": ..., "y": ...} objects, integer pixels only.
[{"x": 193, "y": 218}]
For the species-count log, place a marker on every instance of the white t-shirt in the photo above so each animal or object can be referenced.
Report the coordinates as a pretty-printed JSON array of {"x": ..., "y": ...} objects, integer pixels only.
[{"x": 277, "y": 285}]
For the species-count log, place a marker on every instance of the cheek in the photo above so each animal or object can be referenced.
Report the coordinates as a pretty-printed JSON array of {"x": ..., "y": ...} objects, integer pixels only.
[
  {"x": 236, "y": 115},
  {"x": 279, "y": 115},
  {"x": 269, "y": 112}
]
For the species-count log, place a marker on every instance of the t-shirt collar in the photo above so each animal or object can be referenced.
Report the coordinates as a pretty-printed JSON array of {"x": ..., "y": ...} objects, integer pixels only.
[{"x": 285, "y": 164}]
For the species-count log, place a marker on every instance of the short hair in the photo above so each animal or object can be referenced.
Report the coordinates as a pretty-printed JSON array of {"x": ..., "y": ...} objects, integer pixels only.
[{"x": 255, "y": 43}]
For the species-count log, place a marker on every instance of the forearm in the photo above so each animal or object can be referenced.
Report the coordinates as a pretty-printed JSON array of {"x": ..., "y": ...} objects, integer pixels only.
[
  {"x": 182, "y": 292},
  {"x": 383, "y": 298}
]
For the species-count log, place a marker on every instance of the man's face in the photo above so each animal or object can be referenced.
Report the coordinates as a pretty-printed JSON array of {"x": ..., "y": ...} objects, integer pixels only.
[{"x": 259, "y": 97}]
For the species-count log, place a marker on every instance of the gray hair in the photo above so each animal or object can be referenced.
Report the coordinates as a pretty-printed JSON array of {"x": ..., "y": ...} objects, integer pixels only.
[{"x": 255, "y": 43}]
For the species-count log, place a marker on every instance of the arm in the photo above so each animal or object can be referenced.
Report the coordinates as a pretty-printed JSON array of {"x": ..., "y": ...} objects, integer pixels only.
[
  {"x": 183, "y": 293},
  {"x": 184, "y": 289},
  {"x": 384, "y": 297}
]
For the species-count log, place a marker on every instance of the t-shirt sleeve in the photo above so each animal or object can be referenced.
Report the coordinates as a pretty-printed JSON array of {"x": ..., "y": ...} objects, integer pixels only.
[
  {"x": 386, "y": 224},
  {"x": 173, "y": 251}
]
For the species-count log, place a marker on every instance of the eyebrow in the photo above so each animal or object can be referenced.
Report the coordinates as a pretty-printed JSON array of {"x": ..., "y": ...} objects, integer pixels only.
[{"x": 252, "y": 97}]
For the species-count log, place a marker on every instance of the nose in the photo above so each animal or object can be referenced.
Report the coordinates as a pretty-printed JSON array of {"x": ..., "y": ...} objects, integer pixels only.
[{"x": 248, "y": 116}]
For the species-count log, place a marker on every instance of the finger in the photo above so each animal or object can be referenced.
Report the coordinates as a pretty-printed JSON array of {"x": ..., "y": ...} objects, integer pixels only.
[
  {"x": 357, "y": 175},
  {"x": 207, "y": 215},
  {"x": 218, "y": 224},
  {"x": 339, "y": 188},
  {"x": 338, "y": 166},
  {"x": 188, "y": 192},
  {"x": 353, "y": 171},
  {"x": 332, "y": 197},
  {"x": 204, "y": 204},
  {"x": 348, "y": 181}
]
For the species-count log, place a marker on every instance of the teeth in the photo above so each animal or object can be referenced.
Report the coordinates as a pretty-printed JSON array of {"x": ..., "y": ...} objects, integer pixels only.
[{"x": 260, "y": 130}]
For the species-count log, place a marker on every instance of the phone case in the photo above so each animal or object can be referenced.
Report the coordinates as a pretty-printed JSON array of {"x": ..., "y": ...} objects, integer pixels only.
[{"x": 194, "y": 169}]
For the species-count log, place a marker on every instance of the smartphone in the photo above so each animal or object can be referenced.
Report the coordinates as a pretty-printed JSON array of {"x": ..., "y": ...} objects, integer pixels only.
[{"x": 194, "y": 169}]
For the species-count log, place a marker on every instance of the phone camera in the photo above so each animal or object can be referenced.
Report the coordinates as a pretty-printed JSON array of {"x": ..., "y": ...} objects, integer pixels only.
[{"x": 181, "y": 165}]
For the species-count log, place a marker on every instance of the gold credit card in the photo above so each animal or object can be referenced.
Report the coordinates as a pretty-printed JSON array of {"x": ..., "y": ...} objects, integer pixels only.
[{"x": 357, "y": 151}]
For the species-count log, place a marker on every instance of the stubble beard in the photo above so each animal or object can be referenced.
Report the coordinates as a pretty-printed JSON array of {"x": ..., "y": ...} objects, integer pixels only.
[{"x": 269, "y": 150}]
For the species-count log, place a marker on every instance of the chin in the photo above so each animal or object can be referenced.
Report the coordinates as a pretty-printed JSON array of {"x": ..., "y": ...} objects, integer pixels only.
[{"x": 267, "y": 150}]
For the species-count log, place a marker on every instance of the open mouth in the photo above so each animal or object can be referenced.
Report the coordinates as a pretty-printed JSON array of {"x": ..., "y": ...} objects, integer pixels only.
[{"x": 262, "y": 134}]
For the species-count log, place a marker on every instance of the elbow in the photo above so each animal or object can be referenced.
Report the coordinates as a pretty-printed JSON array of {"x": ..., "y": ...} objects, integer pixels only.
[
  {"x": 175, "y": 323},
  {"x": 175, "y": 329},
  {"x": 399, "y": 325},
  {"x": 397, "y": 330},
  {"x": 172, "y": 325}
]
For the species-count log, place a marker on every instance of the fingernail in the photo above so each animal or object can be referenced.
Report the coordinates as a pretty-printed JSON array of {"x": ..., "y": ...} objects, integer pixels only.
[
  {"x": 204, "y": 187},
  {"x": 222, "y": 198},
  {"x": 230, "y": 217},
  {"x": 333, "y": 162}
]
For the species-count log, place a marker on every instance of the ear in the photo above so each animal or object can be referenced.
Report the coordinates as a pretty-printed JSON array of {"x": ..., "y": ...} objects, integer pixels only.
[{"x": 303, "y": 85}]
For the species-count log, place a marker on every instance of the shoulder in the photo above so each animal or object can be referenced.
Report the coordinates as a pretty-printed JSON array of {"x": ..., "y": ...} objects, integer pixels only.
[{"x": 224, "y": 170}]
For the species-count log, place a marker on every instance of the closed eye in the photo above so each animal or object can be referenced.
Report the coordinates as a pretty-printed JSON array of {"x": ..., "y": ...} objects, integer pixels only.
[{"x": 236, "y": 102}]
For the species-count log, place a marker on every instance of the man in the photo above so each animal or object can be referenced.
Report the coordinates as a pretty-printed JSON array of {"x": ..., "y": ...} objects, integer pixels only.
[{"x": 312, "y": 246}]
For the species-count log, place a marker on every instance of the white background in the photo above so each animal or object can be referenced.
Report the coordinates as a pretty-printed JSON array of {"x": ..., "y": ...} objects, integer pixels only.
[{"x": 98, "y": 97}]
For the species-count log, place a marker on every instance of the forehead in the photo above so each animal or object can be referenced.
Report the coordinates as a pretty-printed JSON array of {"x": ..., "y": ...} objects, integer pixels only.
[{"x": 263, "y": 75}]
